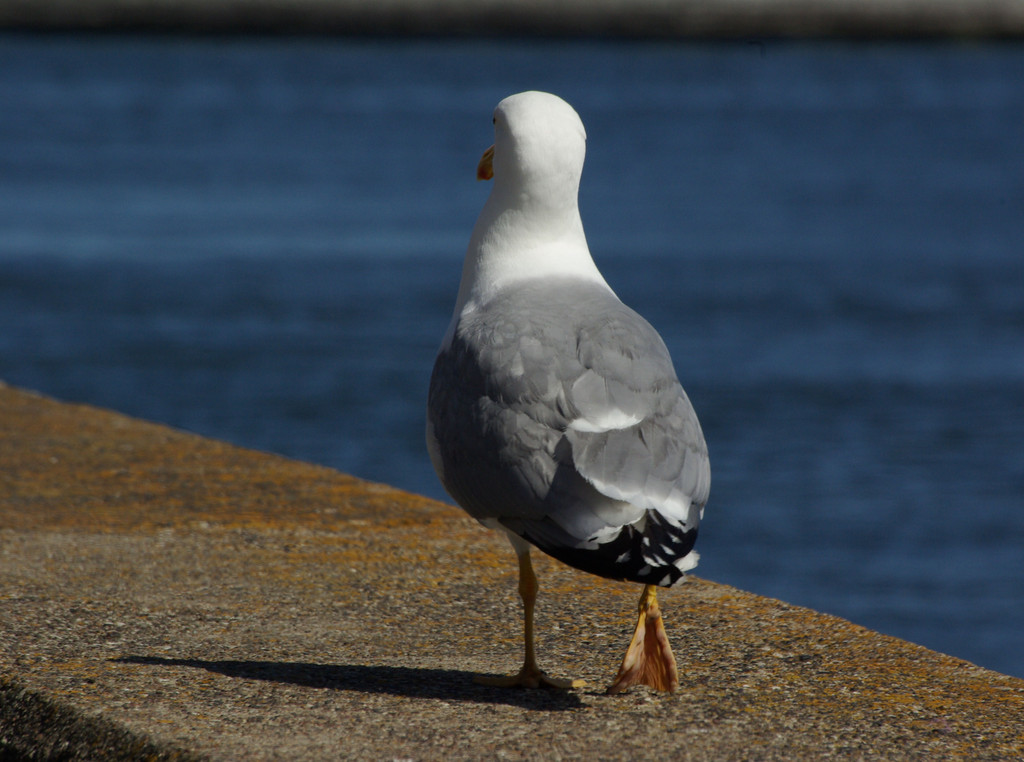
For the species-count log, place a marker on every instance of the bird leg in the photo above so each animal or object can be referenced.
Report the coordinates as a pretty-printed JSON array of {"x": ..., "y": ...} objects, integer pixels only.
[
  {"x": 530, "y": 676},
  {"x": 649, "y": 659}
]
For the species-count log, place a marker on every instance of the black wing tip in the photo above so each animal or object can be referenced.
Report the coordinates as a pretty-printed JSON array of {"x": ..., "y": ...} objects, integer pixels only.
[{"x": 648, "y": 557}]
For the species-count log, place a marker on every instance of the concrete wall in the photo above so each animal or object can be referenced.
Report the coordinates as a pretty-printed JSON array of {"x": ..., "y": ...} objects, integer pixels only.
[
  {"x": 165, "y": 596},
  {"x": 613, "y": 18}
]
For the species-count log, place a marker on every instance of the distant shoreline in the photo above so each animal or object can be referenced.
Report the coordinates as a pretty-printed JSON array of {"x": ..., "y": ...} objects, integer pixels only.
[{"x": 625, "y": 19}]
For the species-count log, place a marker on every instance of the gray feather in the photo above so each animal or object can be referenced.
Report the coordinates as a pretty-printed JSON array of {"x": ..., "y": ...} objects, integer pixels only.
[{"x": 556, "y": 411}]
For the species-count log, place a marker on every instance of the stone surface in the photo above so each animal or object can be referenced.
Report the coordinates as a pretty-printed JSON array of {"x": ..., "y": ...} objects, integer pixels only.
[{"x": 166, "y": 596}]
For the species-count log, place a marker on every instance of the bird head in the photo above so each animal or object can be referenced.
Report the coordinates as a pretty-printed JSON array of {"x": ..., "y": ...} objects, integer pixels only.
[{"x": 539, "y": 145}]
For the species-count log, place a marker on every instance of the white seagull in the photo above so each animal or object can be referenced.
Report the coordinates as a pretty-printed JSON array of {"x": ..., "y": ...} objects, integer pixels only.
[{"x": 554, "y": 411}]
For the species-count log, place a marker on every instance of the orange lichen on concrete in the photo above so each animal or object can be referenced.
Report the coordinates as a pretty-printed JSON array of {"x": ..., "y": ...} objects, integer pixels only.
[{"x": 74, "y": 466}]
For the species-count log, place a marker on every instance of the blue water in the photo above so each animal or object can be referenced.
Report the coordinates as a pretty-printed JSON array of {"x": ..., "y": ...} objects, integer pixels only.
[{"x": 260, "y": 241}]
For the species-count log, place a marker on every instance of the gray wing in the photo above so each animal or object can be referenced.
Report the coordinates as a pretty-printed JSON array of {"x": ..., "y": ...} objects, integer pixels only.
[{"x": 556, "y": 413}]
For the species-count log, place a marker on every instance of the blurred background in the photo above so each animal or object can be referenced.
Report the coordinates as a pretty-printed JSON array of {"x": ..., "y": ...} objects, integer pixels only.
[{"x": 248, "y": 221}]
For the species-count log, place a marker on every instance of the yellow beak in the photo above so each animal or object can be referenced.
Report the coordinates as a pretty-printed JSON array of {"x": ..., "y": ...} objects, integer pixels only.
[{"x": 485, "y": 169}]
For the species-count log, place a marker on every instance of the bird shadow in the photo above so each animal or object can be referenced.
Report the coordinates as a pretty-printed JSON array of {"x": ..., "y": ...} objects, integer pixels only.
[{"x": 412, "y": 682}]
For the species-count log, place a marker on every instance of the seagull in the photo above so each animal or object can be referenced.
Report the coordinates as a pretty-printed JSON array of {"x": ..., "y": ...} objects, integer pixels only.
[{"x": 554, "y": 412}]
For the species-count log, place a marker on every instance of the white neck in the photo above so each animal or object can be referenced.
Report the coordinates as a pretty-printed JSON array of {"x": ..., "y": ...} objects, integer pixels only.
[{"x": 521, "y": 238}]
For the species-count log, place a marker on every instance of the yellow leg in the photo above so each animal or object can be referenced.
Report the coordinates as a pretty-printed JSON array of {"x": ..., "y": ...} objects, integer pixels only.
[
  {"x": 649, "y": 659},
  {"x": 530, "y": 676}
]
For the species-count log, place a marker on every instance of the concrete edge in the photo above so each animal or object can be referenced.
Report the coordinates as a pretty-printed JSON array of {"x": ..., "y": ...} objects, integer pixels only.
[{"x": 33, "y": 726}]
